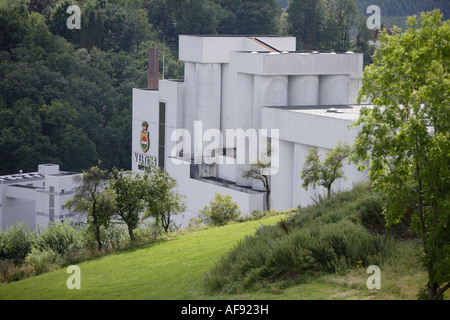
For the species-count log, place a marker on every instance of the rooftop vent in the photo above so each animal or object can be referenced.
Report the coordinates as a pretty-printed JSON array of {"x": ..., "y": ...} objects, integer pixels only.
[{"x": 334, "y": 110}]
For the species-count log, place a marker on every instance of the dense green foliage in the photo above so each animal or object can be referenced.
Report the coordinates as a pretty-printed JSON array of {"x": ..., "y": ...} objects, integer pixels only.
[
  {"x": 63, "y": 244},
  {"x": 65, "y": 94},
  {"x": 399, "y": 8},
  {"x": 68, "y": 100},
  {"x": 40, "y": 260},
  {"x": 406, "y": 7},
  {"x": 324, "y": 173},
  {"x": 16, "y": 242},
  {"x": 58, "y": 103},
  {"x": 328, "y": 237},
  {"x": 161, "y": 199},
  {"x": 406, "y": 134},
  {"x": 220, "y": 211}
]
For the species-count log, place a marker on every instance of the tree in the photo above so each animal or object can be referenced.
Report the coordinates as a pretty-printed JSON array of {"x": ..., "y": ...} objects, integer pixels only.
[
  {"x": 325, "y": 173},
  {"x": 67, "y": 105},
  {"x": 220, "y": 210},
  {"x": 306, "y": 20},
  {"x": 22, "y": 145},
  {"x": 342, "y": 16},
  {"x": 258, "y": 171},
  {"x": 406, "y": 135},
  {"x": 161, "y": 198},
  {"x": 251, "y": 17},
  {"x": 113, "y": 25},
  {"x": 129, "y": 194},
  {"x": 92, "y": 200}
]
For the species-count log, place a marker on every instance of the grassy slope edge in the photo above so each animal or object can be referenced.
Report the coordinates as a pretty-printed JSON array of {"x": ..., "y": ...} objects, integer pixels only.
[
  {"x": 175, "y": 269},
  {"x": 171, "y": 269}
]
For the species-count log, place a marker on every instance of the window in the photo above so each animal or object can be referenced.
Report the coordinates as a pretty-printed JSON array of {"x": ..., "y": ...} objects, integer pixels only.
[
  {"x": 162, "y": 135},
  {"x": 52, "y": 200},
  {"x": 51, "y": 204}
]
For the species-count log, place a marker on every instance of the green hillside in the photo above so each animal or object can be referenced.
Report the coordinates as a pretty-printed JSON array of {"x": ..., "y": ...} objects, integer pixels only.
[
  {"x": 171, "y": 269},
  {"x": 180, "y": 266}
]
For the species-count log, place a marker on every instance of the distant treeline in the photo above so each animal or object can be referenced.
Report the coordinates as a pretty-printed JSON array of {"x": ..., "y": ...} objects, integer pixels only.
[
  {"x": 66, "y": 94},
  {"x": 392, "y": 8}
]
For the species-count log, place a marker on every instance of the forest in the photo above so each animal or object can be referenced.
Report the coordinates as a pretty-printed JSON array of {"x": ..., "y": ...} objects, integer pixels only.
[
  {"x": 66, "y": 94},
  {"x": 395, "y": 8}
]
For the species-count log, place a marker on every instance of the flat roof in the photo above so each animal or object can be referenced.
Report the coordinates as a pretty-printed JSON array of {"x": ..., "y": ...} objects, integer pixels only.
[
  {"x": 20, "y": 177},
  {"x": 235, "y": 36},
  {"x": 345, "y": 112}
]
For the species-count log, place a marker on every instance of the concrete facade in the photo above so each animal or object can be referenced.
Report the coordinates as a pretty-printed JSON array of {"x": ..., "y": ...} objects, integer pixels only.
[
  {"x": 36, "y": 198},
  {"x": 257, "y": 85}
]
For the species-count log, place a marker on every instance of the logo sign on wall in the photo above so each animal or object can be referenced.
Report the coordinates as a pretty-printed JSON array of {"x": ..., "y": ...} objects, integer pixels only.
[{"x": 145, "y": 137}]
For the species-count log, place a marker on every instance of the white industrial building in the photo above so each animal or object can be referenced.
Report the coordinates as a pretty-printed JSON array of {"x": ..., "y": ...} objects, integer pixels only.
[
  {"x": 36, "y": 198},
  {"x": 295, "y": 100}
]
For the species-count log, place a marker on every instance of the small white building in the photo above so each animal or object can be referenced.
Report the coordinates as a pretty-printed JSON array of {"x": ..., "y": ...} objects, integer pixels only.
[
  {"x": 36, "y": 198},
  {"x": 252, "y": 90}
]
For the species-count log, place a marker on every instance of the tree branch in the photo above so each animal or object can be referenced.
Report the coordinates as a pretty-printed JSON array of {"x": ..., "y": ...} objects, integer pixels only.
[{"x": 441, "y": 291}]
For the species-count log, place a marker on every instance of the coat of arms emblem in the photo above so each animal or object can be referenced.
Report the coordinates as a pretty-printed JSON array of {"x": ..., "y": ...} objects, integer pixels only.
[{"x": 145, "y": 137}]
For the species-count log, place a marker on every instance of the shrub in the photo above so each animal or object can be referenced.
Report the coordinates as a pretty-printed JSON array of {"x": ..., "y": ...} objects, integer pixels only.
[
  {"x": 220, "y": 211},
  {"x": 6, "y": 267},
  {"x": 115, "y": 236},
  {"x": 40, "y": 260},
  {"x": 371, "y": 212},
  {"x": 324, "y": 238},
  {"x": 60, "y": 238},
  {"x": 148, "y": 231},
  {"x": 16, "y": 242}
]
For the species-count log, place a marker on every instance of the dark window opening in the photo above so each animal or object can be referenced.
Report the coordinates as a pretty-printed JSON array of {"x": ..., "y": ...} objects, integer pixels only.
[{"x": 162, "y": 135}]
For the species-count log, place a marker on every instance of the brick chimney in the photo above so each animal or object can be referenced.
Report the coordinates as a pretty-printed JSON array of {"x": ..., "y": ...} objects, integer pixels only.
[{"x": 153, "y": 68}]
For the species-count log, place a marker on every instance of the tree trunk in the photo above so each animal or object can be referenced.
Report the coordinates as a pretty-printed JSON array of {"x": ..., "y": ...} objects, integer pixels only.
[
  {"x": 97, "y": 229},
  {"x": 440, "y": 292},
  {"x": 267, "y": 186},
  {"x": 97, "y": 236},
  {"x": 432, "y": 291},
  {"x": 131, "y": 232},
  {"x": 165, "y": 219}
]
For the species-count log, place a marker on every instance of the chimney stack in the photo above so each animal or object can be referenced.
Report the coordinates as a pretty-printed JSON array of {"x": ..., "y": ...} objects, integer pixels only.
[{"x": 153, "y": 68}]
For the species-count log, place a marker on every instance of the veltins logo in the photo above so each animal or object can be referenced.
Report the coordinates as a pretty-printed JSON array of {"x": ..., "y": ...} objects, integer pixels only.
[{"x": 145, "y": 137}]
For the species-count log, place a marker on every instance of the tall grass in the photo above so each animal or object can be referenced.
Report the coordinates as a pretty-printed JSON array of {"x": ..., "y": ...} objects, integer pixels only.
[
  {"x": 61, "y": 244},
  {"x": 325, "y": 238}
]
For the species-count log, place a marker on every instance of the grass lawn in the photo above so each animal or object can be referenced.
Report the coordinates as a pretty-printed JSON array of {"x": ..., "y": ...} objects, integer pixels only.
[
  {"x": 173, "y": 269},
  {"x": 170, "y": 269}
]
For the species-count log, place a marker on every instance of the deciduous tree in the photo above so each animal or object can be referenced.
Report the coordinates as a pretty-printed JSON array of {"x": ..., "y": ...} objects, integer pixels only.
[
  {"x": 324, "y": 173},
  {"x": 162, "y": 200},
  {"x": 129, "y": 191},
  {"x": 92, "y": 200},
  {"x": 406, "y": 135},
  {"x": 306, "y": 20},
  {"x": 259, "y": 172}
]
